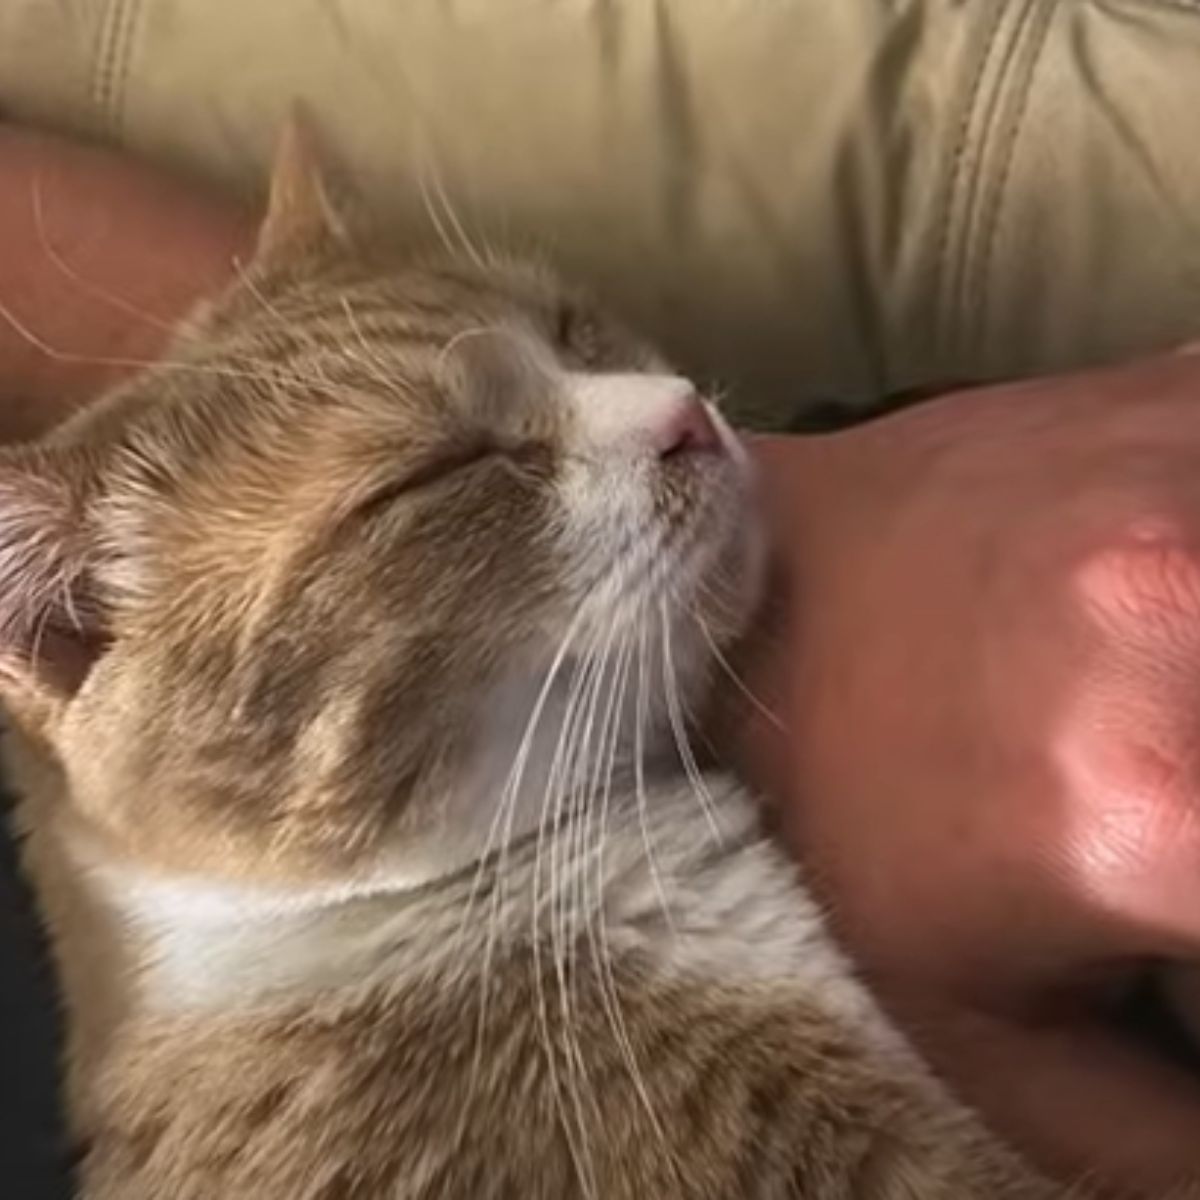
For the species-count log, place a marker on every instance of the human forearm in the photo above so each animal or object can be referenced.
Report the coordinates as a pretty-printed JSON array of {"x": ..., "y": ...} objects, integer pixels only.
[{"x": 99, "y": 255}]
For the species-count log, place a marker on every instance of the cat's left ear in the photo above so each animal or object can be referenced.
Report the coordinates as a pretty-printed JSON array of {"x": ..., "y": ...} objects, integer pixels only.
[
  {"x": 301, "y": 216},
  {"x": 51, "y": 629}
]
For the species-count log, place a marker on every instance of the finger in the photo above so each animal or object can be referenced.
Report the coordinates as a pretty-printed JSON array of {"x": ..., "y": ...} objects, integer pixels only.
[{"x": 1081, "y": 1100}]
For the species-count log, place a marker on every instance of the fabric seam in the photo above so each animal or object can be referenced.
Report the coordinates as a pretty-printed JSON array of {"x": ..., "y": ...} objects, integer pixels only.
[
  {"x": 975, "y": 186},
  {"x": 113, "y": 56},
  {"x": 950, "y": 204},
  {"x": 1035, "y": 29},
  {"x": 1188, "y": 6}
]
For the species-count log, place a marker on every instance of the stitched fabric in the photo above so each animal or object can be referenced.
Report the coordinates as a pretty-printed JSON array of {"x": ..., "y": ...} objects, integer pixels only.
[
  {"x": 797, "y": 199},
  {"x": 747, "y": 181}
]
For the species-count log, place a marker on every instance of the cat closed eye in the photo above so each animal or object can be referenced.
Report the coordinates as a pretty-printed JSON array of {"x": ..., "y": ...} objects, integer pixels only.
[
  {"x": 434, "y": 469},
  {"x": 577, "y": 333}
]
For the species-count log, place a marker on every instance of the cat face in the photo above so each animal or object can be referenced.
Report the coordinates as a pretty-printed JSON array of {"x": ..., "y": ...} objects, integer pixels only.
[{"x": 376, "y": 564}]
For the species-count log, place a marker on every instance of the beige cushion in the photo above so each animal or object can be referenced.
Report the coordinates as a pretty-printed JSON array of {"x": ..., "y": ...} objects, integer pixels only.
[{"x": 798, "y": 197}]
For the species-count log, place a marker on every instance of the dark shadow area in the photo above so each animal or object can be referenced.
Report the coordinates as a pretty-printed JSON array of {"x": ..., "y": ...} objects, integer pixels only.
[{"x": 33, "y": 1155}]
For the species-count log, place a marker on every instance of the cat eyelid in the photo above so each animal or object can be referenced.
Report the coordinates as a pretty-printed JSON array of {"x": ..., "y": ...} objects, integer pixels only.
[
  {"x": 433, "y": 470},
  {"x": 566, "y": 318},
  {"x": 575, "y": 330}
]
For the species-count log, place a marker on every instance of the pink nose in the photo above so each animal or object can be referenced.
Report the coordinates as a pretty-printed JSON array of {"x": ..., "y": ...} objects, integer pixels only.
[{"x": 689, "y": 429}]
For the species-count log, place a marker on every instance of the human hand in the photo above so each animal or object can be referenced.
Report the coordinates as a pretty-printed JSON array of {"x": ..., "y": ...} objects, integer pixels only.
[
  {"x": 991, "y": 764},
  {"x": 100, "y": 256}
]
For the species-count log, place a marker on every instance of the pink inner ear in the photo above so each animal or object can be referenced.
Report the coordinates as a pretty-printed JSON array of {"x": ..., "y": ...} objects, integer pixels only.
[{"x": 58, "y": 662}]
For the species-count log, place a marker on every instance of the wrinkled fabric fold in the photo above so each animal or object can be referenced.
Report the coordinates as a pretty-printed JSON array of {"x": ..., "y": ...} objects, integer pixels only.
[{"x": 797, "y": 199}]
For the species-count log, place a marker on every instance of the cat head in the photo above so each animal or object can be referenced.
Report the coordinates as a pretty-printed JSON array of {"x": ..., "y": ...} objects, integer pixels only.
[{"x": 351, "y": 581}]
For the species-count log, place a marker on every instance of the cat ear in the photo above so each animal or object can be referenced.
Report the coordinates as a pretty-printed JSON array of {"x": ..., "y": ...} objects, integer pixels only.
[
  {"x": 50, "y": 627},
  {"x": 300, "y": 215}
]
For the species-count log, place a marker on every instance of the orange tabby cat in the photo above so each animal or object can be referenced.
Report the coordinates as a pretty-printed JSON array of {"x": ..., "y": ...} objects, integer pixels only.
[{"x": 350, "y": 654}]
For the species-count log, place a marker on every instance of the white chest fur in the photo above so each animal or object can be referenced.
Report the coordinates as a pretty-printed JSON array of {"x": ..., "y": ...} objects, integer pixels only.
[{"x": 661, "y": 887}]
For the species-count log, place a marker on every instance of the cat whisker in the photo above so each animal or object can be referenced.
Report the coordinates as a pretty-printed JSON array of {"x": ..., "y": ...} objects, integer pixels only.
[
  {"x": 723, "y": 662},
  {"x": 456, "y": 340},
  {"x": 606, "y": 981},
  {"x": 503, "y": 818},
  {"x": 157, "y": 364},
  {"x": 87, "y": 286},
  {"x": 717, "y": 393},
  {"x": 584, "y": 777},
  {"x": 726, "y": 601},
  {"x": 639, "y": 769},
  {"x": 540, "y": 999},
  {"x": 571, "y": 812},
  {"x": 592, "y": 784},
  {"x": 564, "y": 753},
  {"x": 592, "y": 812},
  {"x": 563, "y": 749},
  {"x": 368, "y": 357},
  {"x": 467, "y": 246},
  {"x": 434, "y": 219},
  {"x": 678, "y": 727},
  {"x": 68, "y": 605},
  {"x": 246, "y": 279},
  {"x": 39, "y": 635},
  {"x": 570, "y": 823}
]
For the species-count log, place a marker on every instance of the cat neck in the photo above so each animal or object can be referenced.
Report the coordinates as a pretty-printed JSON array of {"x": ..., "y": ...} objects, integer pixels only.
[{"x": 658, "y": 878}]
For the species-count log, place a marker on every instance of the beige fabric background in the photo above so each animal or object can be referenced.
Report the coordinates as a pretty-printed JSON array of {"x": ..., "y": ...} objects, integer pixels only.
[{"x": 799, "y": 197}]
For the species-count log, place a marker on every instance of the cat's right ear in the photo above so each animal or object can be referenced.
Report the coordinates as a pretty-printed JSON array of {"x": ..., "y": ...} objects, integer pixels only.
[
  {"x": 301, "y": 217},
  {"x": 50, "y": 625}
]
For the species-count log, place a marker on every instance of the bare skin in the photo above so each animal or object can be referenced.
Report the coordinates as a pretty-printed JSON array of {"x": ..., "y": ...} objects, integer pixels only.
[
  {"x": 988, "y": 666},
  {"x": 990, "y": 757},
  {"x": 98, "y": 256}
]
